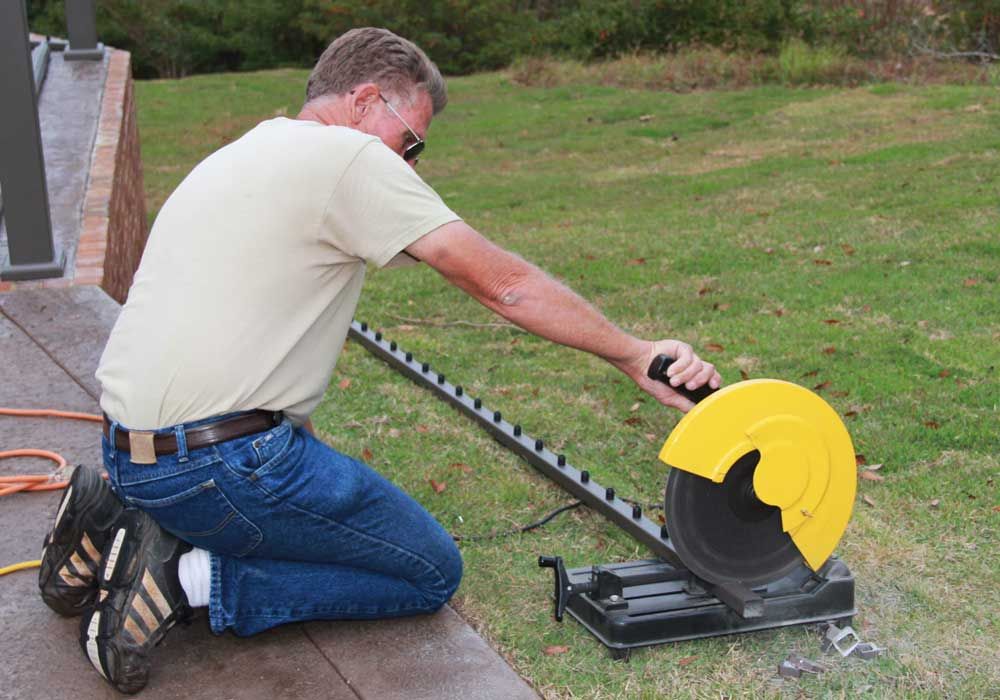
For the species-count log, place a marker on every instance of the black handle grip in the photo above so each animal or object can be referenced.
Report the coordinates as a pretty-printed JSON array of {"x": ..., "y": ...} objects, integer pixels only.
[
  {"x": 658, "y": 371},
  {"x": 563, "y": 589}
]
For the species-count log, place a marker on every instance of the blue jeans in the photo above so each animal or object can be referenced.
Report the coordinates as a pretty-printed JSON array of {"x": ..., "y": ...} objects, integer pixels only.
[{"x": 296, "y": 530}]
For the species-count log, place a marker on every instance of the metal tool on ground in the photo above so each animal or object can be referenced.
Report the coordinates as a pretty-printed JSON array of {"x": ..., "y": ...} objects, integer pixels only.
[
  {"x": 760, "y": 490},
  {"x": 845, "y": 641},
  {"x": 794, "y": 666}
]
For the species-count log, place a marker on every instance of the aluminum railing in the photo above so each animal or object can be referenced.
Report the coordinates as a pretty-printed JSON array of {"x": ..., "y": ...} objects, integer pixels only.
[{"x": 25, "y": 217}]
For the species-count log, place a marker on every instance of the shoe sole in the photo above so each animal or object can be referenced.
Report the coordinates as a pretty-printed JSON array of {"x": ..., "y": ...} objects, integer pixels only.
[
  {"x": 77, "y": 567},
  {"x": 129, "y": 594}
]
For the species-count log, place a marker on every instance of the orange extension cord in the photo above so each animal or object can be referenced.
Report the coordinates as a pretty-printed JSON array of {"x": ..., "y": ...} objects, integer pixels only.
[{"x": 35, "y": 482}]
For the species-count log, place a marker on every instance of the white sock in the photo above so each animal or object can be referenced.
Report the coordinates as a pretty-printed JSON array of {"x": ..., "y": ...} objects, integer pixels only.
[{"x": 194, "y": 569}]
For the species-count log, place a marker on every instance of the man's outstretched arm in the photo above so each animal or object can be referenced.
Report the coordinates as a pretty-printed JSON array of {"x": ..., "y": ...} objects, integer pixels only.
[{"x": 529, "y": 298}]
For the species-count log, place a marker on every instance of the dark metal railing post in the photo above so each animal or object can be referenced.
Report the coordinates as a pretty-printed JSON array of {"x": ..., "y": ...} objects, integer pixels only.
[
  {"x": 81, "y": 25},
  {"x": 22, "y": 163}
]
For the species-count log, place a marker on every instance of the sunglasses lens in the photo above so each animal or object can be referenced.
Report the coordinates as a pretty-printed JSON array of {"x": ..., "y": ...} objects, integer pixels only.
[{"x": 414, "y": 151}]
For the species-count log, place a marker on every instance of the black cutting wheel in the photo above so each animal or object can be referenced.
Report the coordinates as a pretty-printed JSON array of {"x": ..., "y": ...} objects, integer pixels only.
[{"x": 723, "y": 532}]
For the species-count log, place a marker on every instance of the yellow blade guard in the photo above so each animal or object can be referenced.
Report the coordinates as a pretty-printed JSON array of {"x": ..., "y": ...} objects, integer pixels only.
[{"x": 807, "y": 466}]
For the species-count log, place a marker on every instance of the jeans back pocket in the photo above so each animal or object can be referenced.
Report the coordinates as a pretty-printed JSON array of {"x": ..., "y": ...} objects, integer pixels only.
[{"x": 204, "y": 517}]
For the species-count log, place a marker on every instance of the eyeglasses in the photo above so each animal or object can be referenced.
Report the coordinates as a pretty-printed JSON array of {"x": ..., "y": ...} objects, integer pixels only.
[{"x": 412, "y": 152}]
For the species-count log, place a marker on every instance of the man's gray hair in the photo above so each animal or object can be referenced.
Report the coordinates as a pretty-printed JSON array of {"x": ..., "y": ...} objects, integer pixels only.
[{"x": 373, "y": 55}]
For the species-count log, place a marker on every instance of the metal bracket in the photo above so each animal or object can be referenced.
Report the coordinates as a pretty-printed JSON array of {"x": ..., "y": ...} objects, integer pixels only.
[
  {"x": 869, "y": 650},
  {"x": 844, "y": 641},
  {"x": 794, "y": 666}
]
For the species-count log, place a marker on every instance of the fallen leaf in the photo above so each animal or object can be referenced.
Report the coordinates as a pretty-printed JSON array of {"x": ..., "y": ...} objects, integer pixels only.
[
  {"x": 779, "y": 312},
  {"x": 811, "y": 373},
  {"x": 870, "y": 476},
  {"x": 438, "y": 486},
  {"x": 944, "y": 373},
  {"x": 686, "y": 660},
  {"x": 344, "y": 383},
  {"x": 860, "y": 460},
  {"x": 405, "y": 327},
  {"x": 769, "y": 251},
  {"x": 651, "y": 437},
  {"x": 555, "y": 650},
  {"x": 996, "y": 509},
  {"x": 831, "y": 321},
  {"x": 744, "y": 375},
  {"x": 869, "y": 500},
  {"x": 463, "y": 467},
  {"x": 850, "y": 414},
  {"x": 935, "y": 502},
  {"x": 634, "y": 407},
  {"x": 394, "y": 432},
  {"x": 822, "y": 262},
  {"x": 636, "y": 261},
  {"x": 704, "y": 290},
  {"x": 721, "y": 307},
  {"x": 714, "y": 347},
  {"x": 366, "y": 455},
  {"x": 646, "y": 118},
  {"x": 932, "y": 424},
  {"x": 970, "y": 282},
  {"x": 847, "y": 248},
  {"x": 633, "y": 420},
  {"x": 422, "y": 429},
  {"x": 829, "y": 350},
  {"x": 821, "y": 385},
  {"x": 874, "y": 467},
  {"x": 866, "y": 308},
  {"x": 589, "y": 256},
  {"x": 840, "y": 394}
]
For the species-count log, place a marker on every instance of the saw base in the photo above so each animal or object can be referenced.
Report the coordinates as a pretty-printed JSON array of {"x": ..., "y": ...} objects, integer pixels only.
[{"x": 674, "y": 610}]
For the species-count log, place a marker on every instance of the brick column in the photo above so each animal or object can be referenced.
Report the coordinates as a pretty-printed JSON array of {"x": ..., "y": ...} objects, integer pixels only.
[{"x": 113, "y": 230}]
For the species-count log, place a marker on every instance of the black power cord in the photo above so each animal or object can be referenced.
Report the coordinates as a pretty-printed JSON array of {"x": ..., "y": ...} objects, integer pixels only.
[
  {"x": 518, "y": 530},
  {"x": 538, "y": 523}
]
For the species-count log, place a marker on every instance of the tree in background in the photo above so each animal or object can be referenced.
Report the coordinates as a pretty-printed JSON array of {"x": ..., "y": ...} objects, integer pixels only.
[{"x": 173, "y": 38}]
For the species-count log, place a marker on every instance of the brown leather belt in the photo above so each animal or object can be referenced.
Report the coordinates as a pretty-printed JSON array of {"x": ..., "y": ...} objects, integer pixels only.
[{"x": 204, "y": 435}]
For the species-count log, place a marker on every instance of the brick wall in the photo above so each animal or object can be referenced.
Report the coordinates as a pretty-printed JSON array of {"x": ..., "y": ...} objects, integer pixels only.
[{"x": 113, "y": 231}]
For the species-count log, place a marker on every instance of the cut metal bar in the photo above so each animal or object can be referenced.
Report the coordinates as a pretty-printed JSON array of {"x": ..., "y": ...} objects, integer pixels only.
[
  {"x": 576, "y": 482},
  {"x": 745, "y": 602}
]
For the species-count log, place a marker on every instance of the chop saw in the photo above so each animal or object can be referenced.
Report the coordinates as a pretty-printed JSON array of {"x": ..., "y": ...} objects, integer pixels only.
[{"x": 760, "y": 490}]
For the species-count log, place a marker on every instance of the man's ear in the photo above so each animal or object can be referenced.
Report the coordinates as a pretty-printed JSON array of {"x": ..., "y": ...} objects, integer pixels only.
[{"x": 363, "y": 99}]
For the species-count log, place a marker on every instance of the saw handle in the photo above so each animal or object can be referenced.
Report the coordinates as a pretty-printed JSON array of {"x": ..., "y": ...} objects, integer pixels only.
[{"x": 658, "y": 371}]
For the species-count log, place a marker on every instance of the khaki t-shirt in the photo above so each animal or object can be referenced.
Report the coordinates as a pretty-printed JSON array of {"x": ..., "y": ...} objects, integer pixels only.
[{"x": 252, "y": 273}]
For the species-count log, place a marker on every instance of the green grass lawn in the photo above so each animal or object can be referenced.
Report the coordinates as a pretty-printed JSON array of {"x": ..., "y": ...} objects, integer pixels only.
[{"x": 842, "y": 239}]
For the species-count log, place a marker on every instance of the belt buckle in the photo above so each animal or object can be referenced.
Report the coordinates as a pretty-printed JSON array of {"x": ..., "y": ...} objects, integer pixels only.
[{"x": 141, "y": 448}]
